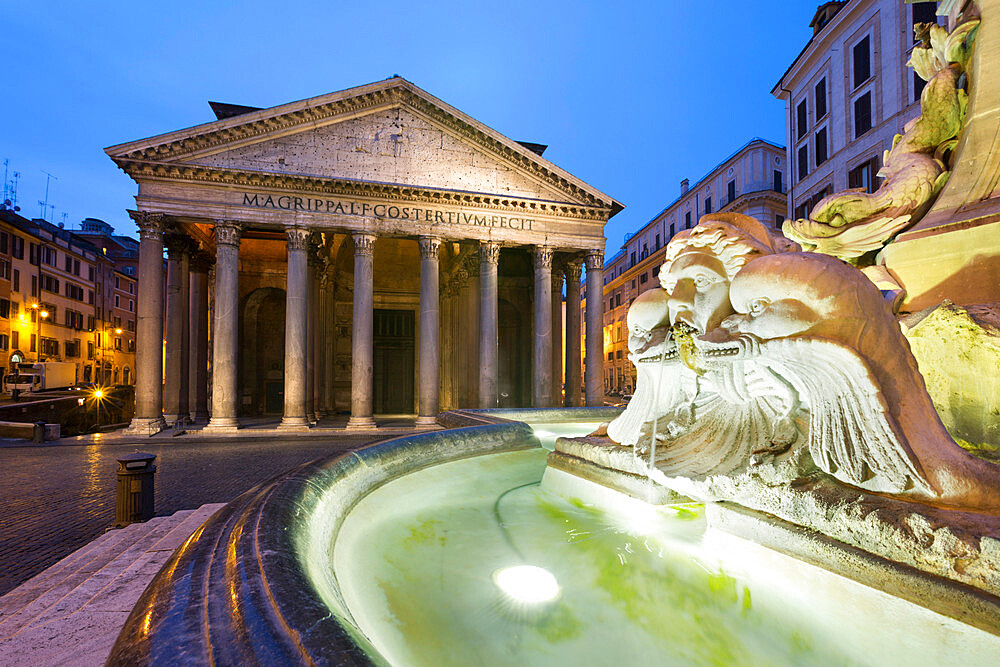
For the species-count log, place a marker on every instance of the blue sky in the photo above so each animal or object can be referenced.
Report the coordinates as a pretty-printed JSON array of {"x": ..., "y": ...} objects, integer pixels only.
[{"x": 630, "y": 97}]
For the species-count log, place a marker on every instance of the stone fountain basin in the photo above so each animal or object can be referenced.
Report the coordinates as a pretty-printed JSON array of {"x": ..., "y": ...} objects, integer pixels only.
[{"x": 258, "y": 583}]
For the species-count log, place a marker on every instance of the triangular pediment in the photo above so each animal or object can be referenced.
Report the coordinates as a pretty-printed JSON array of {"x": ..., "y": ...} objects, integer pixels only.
[{"x": 388, "y": 132}]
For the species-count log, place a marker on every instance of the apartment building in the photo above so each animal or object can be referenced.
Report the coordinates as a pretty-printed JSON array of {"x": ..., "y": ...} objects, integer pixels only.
[
  {"x": 847, "y": 94},
  {"x": 54, "y": 303},
  {"x": 750, "y": 181}
]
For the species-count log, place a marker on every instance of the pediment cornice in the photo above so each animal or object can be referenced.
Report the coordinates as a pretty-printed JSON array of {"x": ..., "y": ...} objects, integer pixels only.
[
  {"x": 257, "y": 126},
  {"x": 145, "y": 170}
]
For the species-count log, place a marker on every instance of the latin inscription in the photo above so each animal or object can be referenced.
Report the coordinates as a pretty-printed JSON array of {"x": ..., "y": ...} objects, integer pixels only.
[{"x": 384, "y": 211}]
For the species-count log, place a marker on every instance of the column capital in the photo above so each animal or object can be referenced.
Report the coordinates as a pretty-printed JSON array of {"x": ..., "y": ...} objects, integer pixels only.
[
  {"x": 595, "y": 259},
  {"x": 429, "y": 247},
  {"x": 543, "y": 256},
  {"x": 574, "y": 270},
  {"x": 364, "y": 244},
  {"x": 489, "y": 252},
  {"x": 228, "y": 232},
  {"x": 150, "y": 225},
  {"x": 557, "y": 281},
  {"x": 298, "y": 238}
]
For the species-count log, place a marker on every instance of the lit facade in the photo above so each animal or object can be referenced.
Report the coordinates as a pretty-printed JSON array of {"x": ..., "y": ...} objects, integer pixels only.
[
  {"x": 55, "y": 304},
  {"x": 847, "y": 94}
]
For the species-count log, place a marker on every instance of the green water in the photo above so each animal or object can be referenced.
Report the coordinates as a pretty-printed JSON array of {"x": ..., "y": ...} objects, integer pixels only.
[{"x": 416, "y": 559}]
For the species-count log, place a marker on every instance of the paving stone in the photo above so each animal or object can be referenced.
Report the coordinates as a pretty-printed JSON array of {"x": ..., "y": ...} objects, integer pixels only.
[{"x": 59, "y": 498}]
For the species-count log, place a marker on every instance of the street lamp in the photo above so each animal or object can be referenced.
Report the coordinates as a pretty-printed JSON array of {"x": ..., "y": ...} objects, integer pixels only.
[{"x": 40, "y": 314}]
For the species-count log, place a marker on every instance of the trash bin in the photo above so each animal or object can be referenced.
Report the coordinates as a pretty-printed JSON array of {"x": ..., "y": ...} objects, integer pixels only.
[{"x": 134, "y": 500}]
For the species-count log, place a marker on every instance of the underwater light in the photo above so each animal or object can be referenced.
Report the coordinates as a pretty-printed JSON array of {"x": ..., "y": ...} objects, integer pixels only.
[{"x": 527, "y": 583}]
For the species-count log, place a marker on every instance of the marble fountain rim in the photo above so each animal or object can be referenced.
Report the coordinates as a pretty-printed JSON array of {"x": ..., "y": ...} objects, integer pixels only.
[{"x": 238, "y": 591}]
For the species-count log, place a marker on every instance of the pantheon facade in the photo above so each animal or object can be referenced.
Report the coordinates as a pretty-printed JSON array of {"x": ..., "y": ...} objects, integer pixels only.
[{"x": 371, "y": 251}]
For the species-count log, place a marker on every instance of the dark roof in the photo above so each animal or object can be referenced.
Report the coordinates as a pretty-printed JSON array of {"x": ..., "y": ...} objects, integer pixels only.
[
  {"x": 224, "y": 110},
  {"x": 533, "y": 147}
]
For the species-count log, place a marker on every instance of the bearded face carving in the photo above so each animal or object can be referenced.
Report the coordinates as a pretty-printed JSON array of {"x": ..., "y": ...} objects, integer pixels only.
[{"x": 802, "y": 354}]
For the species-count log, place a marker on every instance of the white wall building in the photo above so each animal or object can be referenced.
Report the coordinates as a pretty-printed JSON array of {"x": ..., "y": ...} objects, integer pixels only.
[{"x": 847, "y": 94}]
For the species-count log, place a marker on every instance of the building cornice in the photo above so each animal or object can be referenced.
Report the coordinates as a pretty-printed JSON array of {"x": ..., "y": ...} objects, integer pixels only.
[{"x": 174, "y": 171}]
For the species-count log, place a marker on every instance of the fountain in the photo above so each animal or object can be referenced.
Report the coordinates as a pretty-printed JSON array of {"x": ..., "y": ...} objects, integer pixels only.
[{"x": 780, "y": 489}]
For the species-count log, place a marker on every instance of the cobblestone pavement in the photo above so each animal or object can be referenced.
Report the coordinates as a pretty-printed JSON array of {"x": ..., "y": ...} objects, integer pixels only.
[{"x": 56, "y": 499}]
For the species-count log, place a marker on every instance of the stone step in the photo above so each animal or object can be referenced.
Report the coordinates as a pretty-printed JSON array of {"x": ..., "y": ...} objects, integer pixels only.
[{"x": 73, "y": 611}]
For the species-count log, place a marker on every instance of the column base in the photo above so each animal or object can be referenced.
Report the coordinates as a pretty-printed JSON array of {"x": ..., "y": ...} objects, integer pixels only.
[
  {"x": 145, "y": 426},
  {"x": 316, "y": 416},
  {"x": 426, "y": 421},
  {"x": 294, "y": 424},
  {"x": 222, "y": 425},
  {"x": 198, "y": 417},
  {"x": 361, "y": 424}
]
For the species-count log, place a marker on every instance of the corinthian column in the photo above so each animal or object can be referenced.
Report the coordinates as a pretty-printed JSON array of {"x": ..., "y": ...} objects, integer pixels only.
[
  {"x": 225, "y": 394},
  {"x": 362, "y": 343},
  {"x": 574, "y": 268},
  {"x": 556, "y": 399},
  {"x": 296, "y": 335},
  {"x": 149, "y": 328},
  {"x": 489, "y": 257},
  {"x": 430, "y": 304},
  {"x": 198, "y": 357},
  {"x": 595, "y": 323},
  {"x": 542, "y": 349},
  {"x": 175, "y": 389},
  {"x": 310, "y": 329}
]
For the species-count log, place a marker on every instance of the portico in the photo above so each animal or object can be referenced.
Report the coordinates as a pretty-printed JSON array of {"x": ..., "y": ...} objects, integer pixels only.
[{"x": 375, "y": 251}]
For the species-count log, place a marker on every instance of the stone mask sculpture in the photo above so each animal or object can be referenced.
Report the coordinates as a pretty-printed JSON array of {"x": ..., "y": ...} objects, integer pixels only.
[{"x": 670, "y": 389}]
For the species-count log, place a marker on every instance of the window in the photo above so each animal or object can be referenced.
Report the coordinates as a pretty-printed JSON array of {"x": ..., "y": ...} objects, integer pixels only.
[
  {"x": 731, "y": 190},
  {"x": 861, "y": 54},
  {"x": 76, "y": 267},
  {"x": 90, "y": 350},
  {"x": 618, "y": 354},
  {"x": 778, "y": 186},
  {"x": 657, "y": 247},
  {"x": 90, "y": 296},
  {"x": 611, "y": 356},
  {"x": 5, "y": 308},
  {"x": 801, "y": 120},
  {"x": 862, "y": 114},
  {"x": 645, "y": 251},
  {"x": 50, "y": 347},
  {"x": 642, "y": 279},
  {"x": 50, "y": 283},
  {"x": 33, "y": 254},
  {"x": 924, "y": 12},
  {"x": 708, "y": 204},
  {"x": 17, "y": 247},
  {"x": 4, "y": 269},
  {"x": 618, "y": 299},
  {"x": 72, "y": 348},
  {"x": 16, "y": 281},
  {"x": 4, "y": 342},
  {"x": 820, "y": 96},
  {"x": 69, "y": 264},
  {"x": 90, "y": 273},
  {"x": 131, "y": 288},
  {"x": 48, "y": 255},
  {"x": 118, "y": 343},
  {"x": 118, "y": 298},
  {"x": 4, "y": 243},
  {"x": 687, "y": 220},
  {"x": 32, "y": 347},
  {"x": 118, "y": 282},
  {"x": 778, "y": 220},
  {"x": 15, "y": 339},
  {"x": 34, "y": 285},
  {"x": 803, "y": 162},
  {"x": 863, "y": 176},
  {"x": 74, "y": 292},
  {"x": 611, "y": 303},
  {"x": 820, "y": 146}
]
